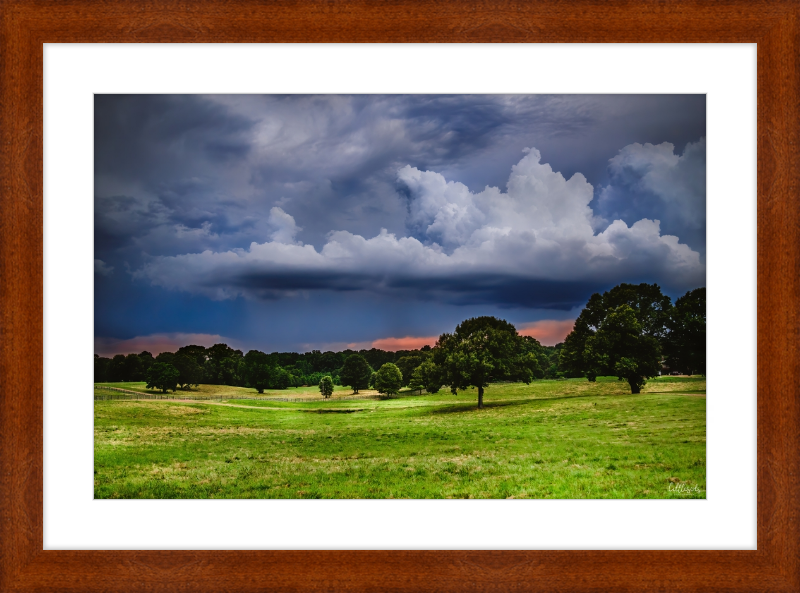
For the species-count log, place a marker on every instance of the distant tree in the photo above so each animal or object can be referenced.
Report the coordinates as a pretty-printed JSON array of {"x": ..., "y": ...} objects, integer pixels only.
[
  {"x": 257, "y": 372},
  {"x": 313, "y": 378},
  {"x": 620, "y": 346},
  {"x": 377, "y": 357},
  {"x": 573, "y": 359},
  {"x": 304, "y": 367},
  {"x": 426, "y": 376},
  {"x": 189, "y": 372},
  {"x": 328, "y": 361},
  {"x": 534, "y": 354},
  {"x": 116, "y": 369},
  {"x": 146, "y": 359},
  {"x": 163, "y": 376},
  {"x": 133, "y": 368},
  {"x": 101, "y": 369},
  {"x": 326, "y": 386},
  {"x": 407, "y": 365},
  {"x": 480, "y": 351},
  {"x": 259, "y": 377},
  {"x": 279, "y": 378},
  {"x": 388, "y": 379},
  {"x": 685, "y": 345},
  {"x": 198, "y": 353},
  {"x": 223, "y": 365},
  {"x": 166, "y": 357},
  {"x": 355, "y": 372}
]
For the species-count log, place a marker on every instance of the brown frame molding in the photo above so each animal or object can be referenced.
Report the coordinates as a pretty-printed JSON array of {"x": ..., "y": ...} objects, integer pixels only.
[{"x": 27, "y": 24}]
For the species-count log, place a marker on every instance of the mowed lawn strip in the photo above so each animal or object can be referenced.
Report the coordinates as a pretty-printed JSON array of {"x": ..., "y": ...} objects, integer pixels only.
[{"x": 549, "y": 439}]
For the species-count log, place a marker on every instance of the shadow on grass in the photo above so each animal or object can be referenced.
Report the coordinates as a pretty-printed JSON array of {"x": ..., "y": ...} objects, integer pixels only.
[
  {"x": 331, "y": 411},
  {"x": 681, "y": 392},
  {"x": 473, "y": 406}
]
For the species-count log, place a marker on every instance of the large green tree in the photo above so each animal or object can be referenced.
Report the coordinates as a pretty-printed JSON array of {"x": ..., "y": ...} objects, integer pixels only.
[
  {"x": 355, "y": 372},
  {"x": 223, "y": 365},
  {"x": 256, "y": 370},
  {"x": 480, "y": 351},
  {"x": 620, "y": 346},
  {"x": 407, "y": 364},
  {"x": 388, "y": 379},
  {"x": 198, "y": 353},
  {"x": 650, "y": 307},
  {"x": 189, "y": 372},
  {"x": 163, "y": 376},
  {"x": 685, "y": 344}
]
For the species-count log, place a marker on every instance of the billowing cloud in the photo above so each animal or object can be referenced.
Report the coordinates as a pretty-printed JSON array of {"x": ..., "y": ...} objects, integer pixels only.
[
  {"x": 461, "y": 245},
  {"x": 283, "y": 225},
  {"x": 652, "y": 179},
  {"x": 548, "y": 331},
  {"x": 102, "y": 268}
]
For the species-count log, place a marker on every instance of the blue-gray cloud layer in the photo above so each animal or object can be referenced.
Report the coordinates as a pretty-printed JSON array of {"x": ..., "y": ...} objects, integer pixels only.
[{"x": 496, "y": 201}]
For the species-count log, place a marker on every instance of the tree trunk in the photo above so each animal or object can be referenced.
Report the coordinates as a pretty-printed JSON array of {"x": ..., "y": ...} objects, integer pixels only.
[
  {"x": 480, "y": 397},
  {"x": 635, "y": 388}
]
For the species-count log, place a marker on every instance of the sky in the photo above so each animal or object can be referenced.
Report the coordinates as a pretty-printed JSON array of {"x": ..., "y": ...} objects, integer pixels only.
[{"x": 300, "y": 222}]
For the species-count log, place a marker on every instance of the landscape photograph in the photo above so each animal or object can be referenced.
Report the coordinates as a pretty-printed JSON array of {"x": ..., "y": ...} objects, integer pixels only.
[{"x": 399, "y": 296}]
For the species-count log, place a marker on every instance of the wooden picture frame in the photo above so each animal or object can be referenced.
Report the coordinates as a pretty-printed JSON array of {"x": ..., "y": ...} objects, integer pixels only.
[{"x": 27, "y": 25}]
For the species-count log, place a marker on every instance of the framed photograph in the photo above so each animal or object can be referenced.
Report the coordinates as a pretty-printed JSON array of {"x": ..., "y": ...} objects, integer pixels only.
[
  {"x": 330, "y": 316},
  {"x": 168, "y": 211}
]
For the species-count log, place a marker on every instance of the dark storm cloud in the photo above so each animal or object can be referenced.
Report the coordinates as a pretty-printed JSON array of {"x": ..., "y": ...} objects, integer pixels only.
[
  {"x": 486, "y": 247},
  {"x": 332, "y": 161},
  {"x": 147, "y": 137},
  {"x": 502, "y": 291},
  {"x": 275, "y": 198},
  {"x": 476, "y": 289}
]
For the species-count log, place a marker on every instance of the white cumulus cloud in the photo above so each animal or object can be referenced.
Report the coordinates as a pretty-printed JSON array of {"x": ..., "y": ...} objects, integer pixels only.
[
  {"x": 539, "y": 230},
  {"x": 283, "y": 226},
  {"x": 677, "y": 181}
]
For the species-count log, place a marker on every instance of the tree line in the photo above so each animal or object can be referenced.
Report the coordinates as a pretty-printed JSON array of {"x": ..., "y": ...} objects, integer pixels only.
[
  {"x": 631, "y": 331},
  {"x": 634, "y": 331},
  {"x": 222, "y": 365}
]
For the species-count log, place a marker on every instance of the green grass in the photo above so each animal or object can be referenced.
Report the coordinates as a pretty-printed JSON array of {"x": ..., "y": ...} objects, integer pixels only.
[
  {"x": 550, "y": 439},
  {"x": 201, "y": 391}
]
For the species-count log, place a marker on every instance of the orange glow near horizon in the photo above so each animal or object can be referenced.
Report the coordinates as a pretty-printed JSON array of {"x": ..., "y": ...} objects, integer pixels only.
[
  {"x": 155, "y": 344},
  {"x": 548, "y": 331},
  {"x": 406, "y": 343}
]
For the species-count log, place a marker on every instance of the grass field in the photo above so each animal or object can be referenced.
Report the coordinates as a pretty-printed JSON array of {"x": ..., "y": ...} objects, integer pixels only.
[
  {"x": 549, "y": 439},
  {"x": 215, "y": 391}
]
